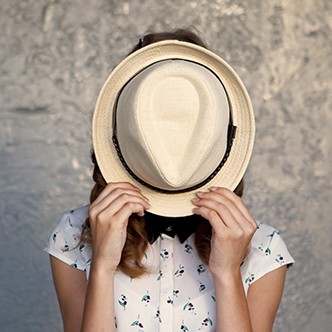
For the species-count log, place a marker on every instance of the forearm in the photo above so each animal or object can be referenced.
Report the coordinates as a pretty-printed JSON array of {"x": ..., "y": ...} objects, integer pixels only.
[
  {"x": 99, "y": 304},
  {"x": 231, "y": 303}
]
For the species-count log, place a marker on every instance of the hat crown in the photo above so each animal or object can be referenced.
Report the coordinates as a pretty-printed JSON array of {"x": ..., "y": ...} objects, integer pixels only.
[{"x": 172, "y": 121}]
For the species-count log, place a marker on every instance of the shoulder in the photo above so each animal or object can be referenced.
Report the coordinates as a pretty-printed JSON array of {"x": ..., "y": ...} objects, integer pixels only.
[
  {"x": 264, "y": 235},
  {"x": 71, "y": 224},
  {"x": 267, "y": 241},
  {"x": 267, "y": 253},
  {"x": 65, "y": 240},
  {"x": 76, "y": 217}
]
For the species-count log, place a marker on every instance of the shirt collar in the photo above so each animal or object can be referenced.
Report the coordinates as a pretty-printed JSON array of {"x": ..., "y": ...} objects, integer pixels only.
[{"x": 183, "y": 227}]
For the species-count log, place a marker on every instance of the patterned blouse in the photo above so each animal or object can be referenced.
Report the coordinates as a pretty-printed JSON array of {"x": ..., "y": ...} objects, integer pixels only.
[{"x": 178, "y": 294}]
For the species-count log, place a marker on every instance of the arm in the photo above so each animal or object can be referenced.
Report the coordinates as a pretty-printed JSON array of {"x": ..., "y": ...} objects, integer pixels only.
[
  {"x": 258, "y": 311},
  {"x": 232, "y": 230},
  {"x": 78, "y": 301},
  {"x": 70, "y": 286},
  {"x": 264, "y": 297},
  {"x": 231, "y": 304},
  {"x": 91, "y": 307},
  {"x": 99, "y": 306}
]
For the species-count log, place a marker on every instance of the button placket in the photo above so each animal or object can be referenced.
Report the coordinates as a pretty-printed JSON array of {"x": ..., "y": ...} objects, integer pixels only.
[
  {"x": 166, "y": 284},
  {"x": 169, "y": 228}
]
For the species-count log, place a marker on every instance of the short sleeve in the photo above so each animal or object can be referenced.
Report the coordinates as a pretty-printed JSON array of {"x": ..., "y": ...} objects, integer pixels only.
[
  {"x": 64, "y": 242},
  {"x": 268, "y": 252}
]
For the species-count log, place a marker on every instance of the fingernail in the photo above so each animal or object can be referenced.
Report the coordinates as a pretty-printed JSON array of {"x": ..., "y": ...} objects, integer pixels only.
[
  {"x": 200, "y": 194},
  {"x": 195, "y": 210},
  {"x": 214, "y": 188}
]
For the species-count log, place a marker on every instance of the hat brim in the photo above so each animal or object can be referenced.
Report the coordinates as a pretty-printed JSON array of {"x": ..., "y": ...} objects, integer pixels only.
[{"x": 178, "y": 204}]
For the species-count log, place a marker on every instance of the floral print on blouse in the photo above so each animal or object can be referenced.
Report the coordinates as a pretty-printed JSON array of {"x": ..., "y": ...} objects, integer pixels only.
[{"x": 178, "y": 294}]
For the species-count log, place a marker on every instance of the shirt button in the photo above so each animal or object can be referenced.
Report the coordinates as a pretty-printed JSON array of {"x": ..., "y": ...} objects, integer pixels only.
[{"x": 169, "y": 228}]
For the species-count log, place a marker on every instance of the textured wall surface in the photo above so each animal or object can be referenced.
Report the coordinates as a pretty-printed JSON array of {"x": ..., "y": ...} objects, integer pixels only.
[{"x": 54, "y": 57}]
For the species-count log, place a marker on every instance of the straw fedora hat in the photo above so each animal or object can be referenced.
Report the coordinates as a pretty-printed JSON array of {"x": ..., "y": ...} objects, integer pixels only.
[{"x": 173, "y": 118}]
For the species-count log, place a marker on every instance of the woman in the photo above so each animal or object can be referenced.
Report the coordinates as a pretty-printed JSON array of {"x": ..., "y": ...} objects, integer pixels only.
[{"x": 164, "y": 245}]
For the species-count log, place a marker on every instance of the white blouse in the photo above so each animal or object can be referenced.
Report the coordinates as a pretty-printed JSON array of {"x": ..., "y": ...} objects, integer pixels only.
[{"x": 178, "y": 294}]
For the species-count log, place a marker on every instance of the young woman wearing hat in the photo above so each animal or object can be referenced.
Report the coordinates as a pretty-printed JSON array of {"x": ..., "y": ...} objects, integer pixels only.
[{"x": 163, "y": 244}]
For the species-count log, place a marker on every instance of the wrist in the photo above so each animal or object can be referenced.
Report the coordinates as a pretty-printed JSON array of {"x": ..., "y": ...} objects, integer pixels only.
[
  {"x": 226, "y": 276},
  {"x": 101, "y": 269}
]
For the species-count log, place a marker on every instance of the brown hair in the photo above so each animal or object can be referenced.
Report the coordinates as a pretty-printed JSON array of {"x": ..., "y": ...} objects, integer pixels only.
[{"x": 137, "y": 238}]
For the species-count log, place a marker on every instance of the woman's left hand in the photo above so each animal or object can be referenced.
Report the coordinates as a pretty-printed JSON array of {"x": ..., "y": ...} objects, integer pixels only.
[{"x": 232, "y": 228}]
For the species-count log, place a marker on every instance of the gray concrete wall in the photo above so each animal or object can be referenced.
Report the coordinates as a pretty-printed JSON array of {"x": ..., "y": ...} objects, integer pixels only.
[{"x": 54, "y": 56}]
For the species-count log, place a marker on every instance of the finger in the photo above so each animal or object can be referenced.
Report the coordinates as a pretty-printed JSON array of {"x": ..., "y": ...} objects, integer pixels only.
[
  {"x": 237, "y": 200},
  {"x": 221, "y": 209},
  {"x": 230, "y": 205},
  {"x": 117, "y": 204},
  {"x": 128, "y": 209},
  {"x": 228, "y": 211},
  {"x": 112, "y": 195},
  {"x": 113, "y": 185},
  {"x": 210, "y": 215}
]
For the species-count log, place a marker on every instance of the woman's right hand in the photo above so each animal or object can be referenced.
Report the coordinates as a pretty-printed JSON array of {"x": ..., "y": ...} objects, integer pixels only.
[{"x": 109, "y": 215}]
